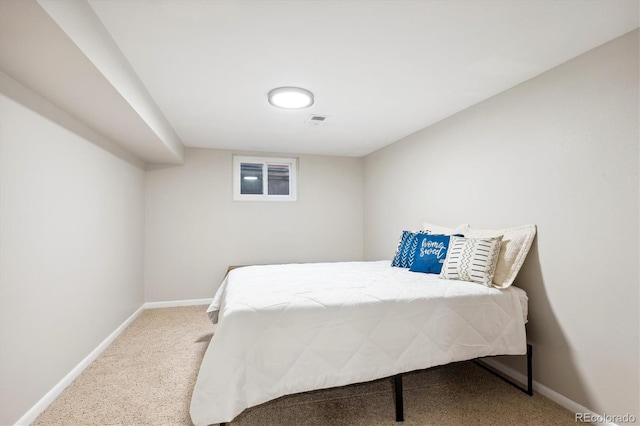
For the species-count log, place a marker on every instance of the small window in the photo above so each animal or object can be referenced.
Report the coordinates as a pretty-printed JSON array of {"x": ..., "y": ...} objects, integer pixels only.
[{"x": 264, "y": 179}]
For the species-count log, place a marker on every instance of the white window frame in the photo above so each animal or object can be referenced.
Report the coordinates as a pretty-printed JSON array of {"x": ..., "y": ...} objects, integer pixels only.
[{"x": 265, "y": 161}]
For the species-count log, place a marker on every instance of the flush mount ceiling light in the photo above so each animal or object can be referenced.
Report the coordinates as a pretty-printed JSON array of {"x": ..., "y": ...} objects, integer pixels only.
[{"x": 291, "y": 98}]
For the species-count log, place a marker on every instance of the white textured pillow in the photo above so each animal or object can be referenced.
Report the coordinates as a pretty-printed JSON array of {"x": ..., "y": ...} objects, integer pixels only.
[
  {"x": 437, "y": 229},
  {"x": 515, "y": 245},
  {"x": 471, "y": 259}
]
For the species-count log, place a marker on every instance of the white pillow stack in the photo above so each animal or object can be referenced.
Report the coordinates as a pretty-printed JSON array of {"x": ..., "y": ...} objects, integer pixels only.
[
  {"x": 437, "y": 229},
  {"x": 514, "y": 247}
]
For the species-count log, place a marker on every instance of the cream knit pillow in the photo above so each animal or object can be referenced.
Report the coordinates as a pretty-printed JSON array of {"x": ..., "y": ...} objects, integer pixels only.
[{"x": 471, "y": 259}]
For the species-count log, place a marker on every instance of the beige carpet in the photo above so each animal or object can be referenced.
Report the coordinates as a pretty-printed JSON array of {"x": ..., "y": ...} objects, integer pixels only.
[{"x": 146, "y": 377}]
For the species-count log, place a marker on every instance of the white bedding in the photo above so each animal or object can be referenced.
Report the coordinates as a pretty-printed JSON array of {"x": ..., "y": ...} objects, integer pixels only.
[{"x": 285, "y": 329}]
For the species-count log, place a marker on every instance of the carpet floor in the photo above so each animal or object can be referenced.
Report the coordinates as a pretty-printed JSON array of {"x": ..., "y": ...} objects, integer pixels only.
[{"x": 146, "y": 376}]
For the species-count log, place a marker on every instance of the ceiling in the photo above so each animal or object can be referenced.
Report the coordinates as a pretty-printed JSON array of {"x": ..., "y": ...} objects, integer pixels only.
[{"x": 379, "y": 70}]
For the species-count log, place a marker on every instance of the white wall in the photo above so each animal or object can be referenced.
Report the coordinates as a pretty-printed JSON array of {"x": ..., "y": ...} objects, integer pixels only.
[
  {"x": 71, "y": 244},
  {"x": 194, "y": 229},
  {"x": 560, "y": 151}
]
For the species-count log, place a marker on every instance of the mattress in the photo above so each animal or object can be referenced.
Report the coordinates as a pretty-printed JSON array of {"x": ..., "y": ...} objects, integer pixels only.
[{"x": 284, "y": 329}]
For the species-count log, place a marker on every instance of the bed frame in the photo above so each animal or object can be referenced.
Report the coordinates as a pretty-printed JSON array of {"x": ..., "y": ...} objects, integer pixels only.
[{"x": 397, "y": 382}]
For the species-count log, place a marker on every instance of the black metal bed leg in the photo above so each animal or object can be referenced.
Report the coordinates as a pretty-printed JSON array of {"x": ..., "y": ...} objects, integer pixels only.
[
  {"x": 397, "y": 386},
  {"x": 529, "y": 389},
  {"x": 529, "y": 370}
]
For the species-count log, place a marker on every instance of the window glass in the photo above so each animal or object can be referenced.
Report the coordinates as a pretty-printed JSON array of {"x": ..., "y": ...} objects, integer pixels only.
[
  {"x": 278, "y": 179},
  {"x": 251, "y": 178}
]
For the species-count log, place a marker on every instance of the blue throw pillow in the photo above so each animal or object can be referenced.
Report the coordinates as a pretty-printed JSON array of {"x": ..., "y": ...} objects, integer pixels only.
[
  {"x": 430, "y": 252},
  {"x": 406, "y": 249}
]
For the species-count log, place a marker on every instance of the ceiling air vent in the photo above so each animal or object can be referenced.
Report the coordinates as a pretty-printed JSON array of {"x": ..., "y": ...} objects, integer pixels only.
[{"x": 316, "y": 120}]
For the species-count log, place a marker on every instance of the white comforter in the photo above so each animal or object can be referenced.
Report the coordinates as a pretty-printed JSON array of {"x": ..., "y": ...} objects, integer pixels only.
[{"x": 285, "y": 329}]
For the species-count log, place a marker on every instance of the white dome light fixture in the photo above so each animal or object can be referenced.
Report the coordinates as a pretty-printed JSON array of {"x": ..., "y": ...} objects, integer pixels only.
[{"x": 291, "y": 98}]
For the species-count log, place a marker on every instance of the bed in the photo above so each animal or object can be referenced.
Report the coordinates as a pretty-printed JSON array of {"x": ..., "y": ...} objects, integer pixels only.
[{"x": 285, "y": 329}]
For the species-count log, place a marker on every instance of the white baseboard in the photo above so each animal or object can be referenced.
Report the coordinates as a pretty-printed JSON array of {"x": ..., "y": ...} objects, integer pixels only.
[
  {"x": 44, "y": 402},
  {"x": 30, "y": 416},
  {"x": 554, "y": 396},
  {"x": 176, "y": 303}
]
